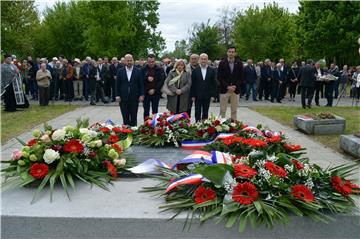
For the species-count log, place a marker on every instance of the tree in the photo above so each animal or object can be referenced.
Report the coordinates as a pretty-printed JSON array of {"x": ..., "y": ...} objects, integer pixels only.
[
  {"x": 206, "y": 38},
  {"x": 225, "y": 25},
  {"x": 19, "y": 21},
  {"x": 330, "y": 30}
]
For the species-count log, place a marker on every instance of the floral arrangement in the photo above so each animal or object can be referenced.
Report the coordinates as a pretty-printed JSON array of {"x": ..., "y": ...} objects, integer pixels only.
[
  {"x": 94, "y": 155},
  {"x": 164, "y": 129},
  {"x": 261, "y": 182},
  {"x": 322, "y": 116}
]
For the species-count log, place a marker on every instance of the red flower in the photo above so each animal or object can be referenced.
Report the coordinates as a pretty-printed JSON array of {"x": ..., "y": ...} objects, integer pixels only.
[
  {"x": 292, "y": 147},
  {"x": 113, "y": 138},
  {"x": 200, "y": 133},
  {"x": 39, "y": 170},
  {"x": 211, "y": 130},
  {"x": 232, "y": 140},
  {"x": 143, "y": 131},
  {"x": 116, "y": 130},
  {"x": 92, "y": 154},
  {"x": 242, "y": 170},
  {"x": 302, "y": 192},
  {"x": 255, "y": 143},
  {"x": 276, "y": 170},
  {"x": 126, "y": 131},
  {"x": 117, "y": 147},
  {"x": 105, "y": 130},
  {"x": 160, "y": 132},
  {"x": 216, "y": 122},
  {"x": 152, "y": 131},
  {"x": 73, "y": 146},
  {"x": 203, "y": 194},
  {"x": 244, "y": 126},
  {"x": 298, "y": 165},
  {"x": 274, "y": 139},
  {"x": 343, "y": 187},
  {"x": 31, "y": 142},
  {"x": 111, "y": 168},
  {"x": 245, "y": 193}
]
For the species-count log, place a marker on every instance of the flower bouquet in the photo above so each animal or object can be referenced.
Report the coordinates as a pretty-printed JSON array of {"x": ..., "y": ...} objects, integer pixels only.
[
  {"x": 259, "y": 189},
  {"x": 67, "y": 154}
]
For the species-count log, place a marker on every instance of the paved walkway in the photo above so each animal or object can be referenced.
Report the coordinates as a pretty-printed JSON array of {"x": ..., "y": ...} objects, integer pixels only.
[{"x": 316, "y": 152}]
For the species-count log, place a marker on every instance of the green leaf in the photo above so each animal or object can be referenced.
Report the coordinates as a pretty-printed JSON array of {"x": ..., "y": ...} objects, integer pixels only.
[
  {"x": 232, "y": 219},
  {"x": 215, "y": 173},
  {"x": 70, "y": 179},
  {"x": 125, "y": 144},
  {"x": 52, "y": 184},
  {"x": 242, "y": 222},
  {"x": 64, "y": 184},
  {"x": 41, "y": 186}
]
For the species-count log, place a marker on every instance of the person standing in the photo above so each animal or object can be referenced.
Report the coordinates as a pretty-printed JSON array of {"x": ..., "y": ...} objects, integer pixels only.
[
  {"x": 265, "y": 80},
  {"x": 193, "y": 64},
  {"x": 285, "y": 70},
  {"x": 106, "y": 77},
  {"x": 154, "y": 77},
  {"x": 334, "y": 70},
  {"x": 307, "y": 82},
  {"x": 250, "y": 77},
  {"x": 344, "y": 78},
  {"x": 114, "y": 67},
  {"x": 129, "y": 90},
  {"x": 77, "y": 82},
  {"x": 67, "y": 77},
  {"x": 92, "y": 76},
  {"x": 177, "y": 87},
  {"x": 203, "y": 88},
  {"x": 85, "y": 76},
  {"x": 319, "y": 84},
  {"x": 43, "y": 78},
  {"x": 277, "y": 82},
  {"x": 230, "y": 76},
  {"x": 293, "y": 80}
]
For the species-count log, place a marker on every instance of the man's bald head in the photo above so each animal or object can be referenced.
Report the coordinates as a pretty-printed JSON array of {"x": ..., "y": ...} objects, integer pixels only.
[
  {"x": 129, "y": 60},
  {"x": 203, "y": 59}
]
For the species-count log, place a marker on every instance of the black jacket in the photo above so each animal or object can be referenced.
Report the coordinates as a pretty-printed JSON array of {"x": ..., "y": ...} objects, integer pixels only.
[
  {"x": 227, "y": 78},
  {"x": 250, "y": 74},
  {"x": 114, "y": 69},
  {"x": 159, "y": 78},
  {"x": 278, "y": 76},
  {"x": 307, "y": 76},
  {"x": 265, "y": 73},
  {"x": 203, "y": 88},
  {"x": 129, "y": 90}
]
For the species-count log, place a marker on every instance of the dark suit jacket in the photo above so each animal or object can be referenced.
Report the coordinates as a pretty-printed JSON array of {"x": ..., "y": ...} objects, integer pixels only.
[
  {"x": 226, "y": 78},
  {"x": 159, "y": 78},
  {"x": 278, "y": 76},
  {"x": 307, "y": 76},
  {"x": 114, "y": 69},
  {"x": 265, "y": 73},
  {"x": 250, "y": 74},
  {"x": 129, "y": 90},
  {"x": 204, "y": 88}
]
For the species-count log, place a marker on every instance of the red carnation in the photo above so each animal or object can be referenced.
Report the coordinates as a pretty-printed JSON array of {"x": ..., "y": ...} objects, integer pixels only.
[
  {"x": 126, "y": 131},
  {"x": 242, "y": 170},
  {"x": 255, "y": 143},
  {"x": 160, "y": 132},
  {"x": 111, "y": 168},
  {"x": 116, "y": 130},
  {"x": 203, "y": 194},
  {"x": 39, "y": 170},
  {"x": 73, "y": 146},
  {"x": 302, "y": 192},
  {"x": 211, "y": 130},
  {"x": 292, "y": 147},
  {"x": 31, "y": 142},
  {"x": 105, "y": 130},
  {"x": 113, "y": 138},
  {"x": 92, "y": 154},
  {"x": 297, "y": 164},
  {"x": 343, "y": 187},
  {"x": 117, "y": 147},
  {"x": 143, "y": 131},
  {"x": 274, "y": 139},
  {"x": 200, "y": 133},
  {"x": 216, "y": 122},
  {"x": 245, "y": 193},
  {"x": 152, "y": 131},
  {"x": 276, "y": 170}
]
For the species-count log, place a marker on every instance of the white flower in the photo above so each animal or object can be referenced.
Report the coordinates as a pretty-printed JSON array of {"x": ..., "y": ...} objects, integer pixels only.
[
  {"x": 232, "y": 124},
  {"x": 84, "y": 131},
  {"x": 58, "y": 135},
  {"x": 271, "y": 158},
  {"x": 50, "y": 156},
  {"x": 98, "y": 143},
  {"x": 120, "y": 162},
  {"x": 289, "y": 168},
  {"x": 218, "y": 128},
  {"x": 45, "y": 138},
  {"x": 226, "y": 128}
]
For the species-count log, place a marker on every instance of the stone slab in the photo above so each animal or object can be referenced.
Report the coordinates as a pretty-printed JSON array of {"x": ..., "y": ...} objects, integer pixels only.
[
  {"x": 350, "y": 144},
  {"x": 320, "y": 127}
]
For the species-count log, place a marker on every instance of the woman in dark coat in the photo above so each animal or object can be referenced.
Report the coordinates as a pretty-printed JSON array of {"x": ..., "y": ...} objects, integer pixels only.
[{"x": 293, "y": 81}]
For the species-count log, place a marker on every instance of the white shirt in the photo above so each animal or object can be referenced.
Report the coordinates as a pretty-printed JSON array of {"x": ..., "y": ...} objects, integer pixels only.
[
  {"x": 129, "y": 72},
  {"x": 203, "y": 72},
  {"x": 319, "y": 72}
]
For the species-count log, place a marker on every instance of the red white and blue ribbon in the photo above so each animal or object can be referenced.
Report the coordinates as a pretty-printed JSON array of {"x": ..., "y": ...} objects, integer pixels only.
[
  {"x": 149, "y": 166},
  {"x": 195, "y": 158},
  {"x": 254, "y": 130},
  {"x": 221, "y": 157},
  {"x": 174, "y": 118},
  {"x": 190, "y": 179},
  {"x": 198, "y": 144}
]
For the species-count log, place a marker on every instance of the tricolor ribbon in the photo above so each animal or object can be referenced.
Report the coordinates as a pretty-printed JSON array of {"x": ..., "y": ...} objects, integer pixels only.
[
  {"x": 254, "y": 130},
  {"x": 190, "y": 179},
  {"x": 174, "y": 118},
  {"x": 198, "y": 144},
  {"x": 196, "y": 157}
]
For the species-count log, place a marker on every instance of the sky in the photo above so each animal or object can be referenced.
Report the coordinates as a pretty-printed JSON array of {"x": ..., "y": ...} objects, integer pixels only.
[{"x": 178, "y": 16}]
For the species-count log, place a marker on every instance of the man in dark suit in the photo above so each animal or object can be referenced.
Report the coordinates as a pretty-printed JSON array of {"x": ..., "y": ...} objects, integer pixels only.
[
  {"x": 285, "y": 70},
  {"x": 319, "y": 85},
  {"x": 114, "y": 67},
  {"x": 277, "y": 82},
  {"x": 250, "y": 79},
  {"x": 265, "y": 80},
  {"x": 129, "y": 90},
  {"x": 154, "y": 77},
  {"x": 230, "y": 76},
  {"x": 203, "y": 87},
  {"x": 307, "y": 77}
]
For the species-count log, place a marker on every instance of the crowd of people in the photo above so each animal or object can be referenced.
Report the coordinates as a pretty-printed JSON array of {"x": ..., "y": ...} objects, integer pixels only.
[{"x": 197, "y": 82}]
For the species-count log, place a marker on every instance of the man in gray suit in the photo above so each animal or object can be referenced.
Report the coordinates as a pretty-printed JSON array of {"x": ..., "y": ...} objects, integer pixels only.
[{"x": 307, "y": 77}]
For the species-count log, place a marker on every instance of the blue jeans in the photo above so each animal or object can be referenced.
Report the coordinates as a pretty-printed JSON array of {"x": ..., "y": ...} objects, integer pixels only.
[{"x": 251, "y": 86}]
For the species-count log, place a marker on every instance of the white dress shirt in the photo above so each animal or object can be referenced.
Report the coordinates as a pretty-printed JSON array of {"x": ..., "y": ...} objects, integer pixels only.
[
  {"x": 129, "y": 72},
  {"x": 203, "y": 72}
]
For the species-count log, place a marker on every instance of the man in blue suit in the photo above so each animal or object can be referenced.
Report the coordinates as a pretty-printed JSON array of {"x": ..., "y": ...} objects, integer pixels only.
[
  {"x": 129, "y": 90},
  {"x": 250, "y": 79},
  {"x": 278, "y": 80}
]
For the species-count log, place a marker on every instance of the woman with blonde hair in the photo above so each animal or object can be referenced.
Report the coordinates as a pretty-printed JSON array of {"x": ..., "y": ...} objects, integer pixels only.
[{"x": 177, "y": 88}]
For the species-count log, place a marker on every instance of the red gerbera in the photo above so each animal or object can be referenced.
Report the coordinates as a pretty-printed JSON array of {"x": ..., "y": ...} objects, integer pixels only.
[
  {"x": 203, "y": 194},
  {"x": 117, "y": 147},
  {"x": 292, "y": 147},
  {"x": 343, "y": 187},
  {"x": 216, "y": 122},
  {"x": 105, "y": 130},
  {"x": 126, "y": 131},
  {"x": 211, "y": 130},
  {"x": 245, "y": 193},
  {"x": 116, "y": 130},
  {"x": 255, "y": 143},
  {"x": 242, "y": 170},
  {"x": 297, "y": 164},
  {"x": 302, "y": 192},
  {"x": 39, "y": 170},
  {"x": 274, "y": 139},
  {"x": 111, "y": 168},
  {"x": 73, "y": 146},
  {"x": 275, "y": 169},
  {"x": 113, "y": 138},
  {"x": 31, "y": 142}
]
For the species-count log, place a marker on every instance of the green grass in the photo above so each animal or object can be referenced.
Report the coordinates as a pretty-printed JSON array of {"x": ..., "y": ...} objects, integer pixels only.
[
  {"x": 284, "y": 115},
  {"x": 16, "y": 123}
]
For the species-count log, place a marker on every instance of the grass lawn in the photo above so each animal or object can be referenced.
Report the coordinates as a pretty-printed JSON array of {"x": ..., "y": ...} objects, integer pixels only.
[
  {"x": 285, "y": 116},
  {"x": 15, "y": 123}
]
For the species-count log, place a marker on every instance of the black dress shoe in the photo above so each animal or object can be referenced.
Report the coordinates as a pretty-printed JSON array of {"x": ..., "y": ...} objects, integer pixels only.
[
  {"x": 255, "y": 100},
  {"x": 92, "y": 103}
]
